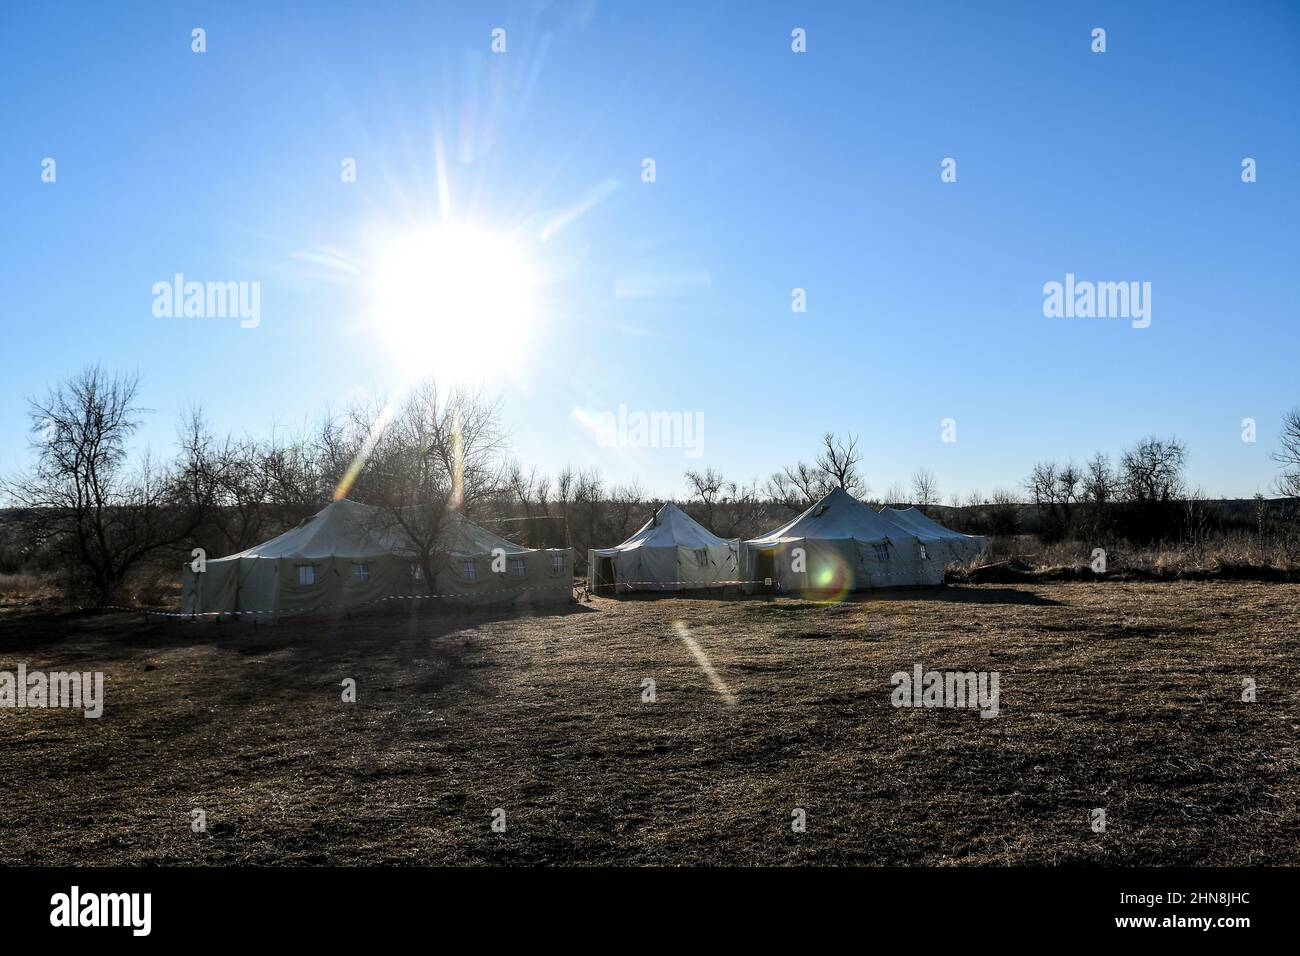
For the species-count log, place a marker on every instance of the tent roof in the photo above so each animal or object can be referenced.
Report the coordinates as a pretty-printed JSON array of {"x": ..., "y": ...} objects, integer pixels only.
[
  {"x": 921, "y": 524},
  {"x": 837, "y": 515},
  {"x": 675, "y": 529},
  {"x": 348, "y": 529}
]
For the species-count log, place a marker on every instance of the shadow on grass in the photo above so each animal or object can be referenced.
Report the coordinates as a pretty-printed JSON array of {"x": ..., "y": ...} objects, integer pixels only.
[
  {"x": 781, "y": 604},
  {"x": 956, "y": 594},
  {"x": 694, "y": 594},
  {"x": 396, "y": 624}
]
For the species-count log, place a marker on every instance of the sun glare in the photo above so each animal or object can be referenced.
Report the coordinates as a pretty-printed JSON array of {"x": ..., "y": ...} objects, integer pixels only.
[{"x": 454, "y": 300}]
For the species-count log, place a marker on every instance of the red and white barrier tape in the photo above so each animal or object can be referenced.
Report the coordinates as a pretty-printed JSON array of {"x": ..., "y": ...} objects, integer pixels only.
[
  {"x": 301, "y": 610},
  {"x": 660, "y": 584}
]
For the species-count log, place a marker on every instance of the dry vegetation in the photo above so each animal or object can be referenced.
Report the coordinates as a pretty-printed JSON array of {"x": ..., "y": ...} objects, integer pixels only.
[
  {"x": 1122, "y": 696},
  {"x": 24, "y": 588},
  {"x": 1235, "y": 556}
]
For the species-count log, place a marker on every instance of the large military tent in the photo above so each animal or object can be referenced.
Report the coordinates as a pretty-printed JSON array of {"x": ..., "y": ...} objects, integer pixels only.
[
  {"x": 346, "y": 556},
  {"x": 671, "y": 552},
  {"x": 837, "y": 546},
  {"x": 953, "y": 545}
]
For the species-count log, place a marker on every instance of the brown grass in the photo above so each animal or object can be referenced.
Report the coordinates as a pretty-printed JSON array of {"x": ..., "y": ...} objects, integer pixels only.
[
  {"x": 1222, "y": 557},
  {"x": 24, "y": 588},
  {"x": 1122, "y": 696}
]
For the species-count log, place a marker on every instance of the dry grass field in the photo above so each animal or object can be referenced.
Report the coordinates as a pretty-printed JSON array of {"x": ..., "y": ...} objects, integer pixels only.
[{"x": 1120, "y": 696}]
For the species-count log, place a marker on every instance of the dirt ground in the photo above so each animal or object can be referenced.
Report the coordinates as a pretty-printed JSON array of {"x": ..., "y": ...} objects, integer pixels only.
[{"x": 1125, "y": 697}]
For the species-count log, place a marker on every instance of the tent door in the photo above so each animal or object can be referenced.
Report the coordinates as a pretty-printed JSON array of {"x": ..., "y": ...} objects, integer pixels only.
[
  {"x": 602, "y": 581},
  {"x": 765, "y": 571}
]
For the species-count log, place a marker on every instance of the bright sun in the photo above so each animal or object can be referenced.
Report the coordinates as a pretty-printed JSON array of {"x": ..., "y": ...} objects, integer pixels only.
[{"x": 454, "y": 300}]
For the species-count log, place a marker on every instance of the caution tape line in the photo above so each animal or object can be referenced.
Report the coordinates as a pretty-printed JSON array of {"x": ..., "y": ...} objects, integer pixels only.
[
  {"x": 302, "y": 610},
  {"x": 702, "y": 584}
]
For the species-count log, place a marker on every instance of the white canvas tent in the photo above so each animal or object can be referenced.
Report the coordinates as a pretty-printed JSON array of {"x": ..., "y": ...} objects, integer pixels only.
[
  {"x": 953, "y": 545},
  {"x": 671, "y": 552},
  {"x": 343, "y": 557},
  {"x": 837, "y": 546}
]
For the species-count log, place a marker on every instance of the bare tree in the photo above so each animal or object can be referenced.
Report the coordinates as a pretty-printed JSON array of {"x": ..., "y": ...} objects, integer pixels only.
[
  {"x": 708, "y": 487},
  {"x": 436, "y": 454},
  {"x": 1197, "y": 517},
  {"x": 971, "y": 516},
  {"x": 925, "y": 490},
  {"x": 302, "y": 471},
  {"x": 740, "y": 510},
  {"x": 797, "y": 486},
  {"x": 253, "y": 489},
  {"x": 525, "y": 500},
  {"x": 1100, "y": 485},
  {"x": 1288, "y": 456},
  {"x": 1151, "y": 485},
  {"x": 724, "y": 507},
  {"x": 588, "y": 493},
  {"x": 1152, "y": 470},
  {"x": 1004, "y": 512},
  {"x": 895, "y": 495},
  {"x": 103, "y": 517},
  {"x": 577, "y": 499},
  {"x": 1055, "y": 489},
  {"x": 839, "y": 464},
  {"x": 627, "y": 509},
  {"x": 1100, "y": 482},
  {"x": 528, "y": 490}
]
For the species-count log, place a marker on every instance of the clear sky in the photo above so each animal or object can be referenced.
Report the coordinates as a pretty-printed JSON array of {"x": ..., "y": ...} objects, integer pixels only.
[{"x": 774, "y": 170}]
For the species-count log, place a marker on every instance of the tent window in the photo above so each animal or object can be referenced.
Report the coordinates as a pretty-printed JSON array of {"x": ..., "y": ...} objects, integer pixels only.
[
  {"x": 557, "y": 563},
  {"x": 702, "y": 557},
  {"x": 417, "y": 572},
  {"x": 882, "y": 552},
  {"x": 361, "y": 572},
  {"x": 925, "y": 555},
  {"x": 469, "y": 570},
  {"x": 517, "y": 567},
  {"x": 306, "y": 574}
]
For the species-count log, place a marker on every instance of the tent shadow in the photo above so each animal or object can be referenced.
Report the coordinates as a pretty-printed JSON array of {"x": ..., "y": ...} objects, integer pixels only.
[
  {"x": 795, "y": 603},
  {"x": 42, "y": 629},
  {"x": 390, "y": 626},
  {"x": 693, "y": 594},
  {"x": 957, "y": 594}
]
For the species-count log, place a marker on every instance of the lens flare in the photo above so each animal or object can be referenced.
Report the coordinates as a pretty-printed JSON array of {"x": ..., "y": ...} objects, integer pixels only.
[
  {"x": 830, "y": 578},
  {"x": 363, "y": 454},
  {"x": 701, "y": 658}
]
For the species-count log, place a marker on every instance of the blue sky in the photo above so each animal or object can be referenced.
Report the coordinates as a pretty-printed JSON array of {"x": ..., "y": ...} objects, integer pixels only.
[{"x": 774, "y": 170}]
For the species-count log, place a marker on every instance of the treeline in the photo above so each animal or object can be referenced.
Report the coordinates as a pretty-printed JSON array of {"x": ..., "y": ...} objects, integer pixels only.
[
  {"x": 90, "y": 512},
  {"x": 1143, "y": 496}
]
